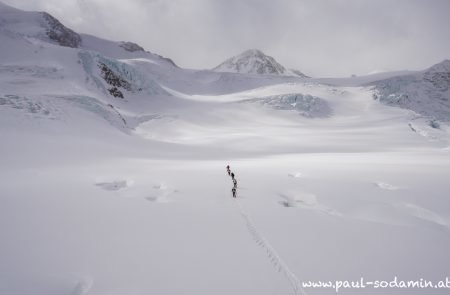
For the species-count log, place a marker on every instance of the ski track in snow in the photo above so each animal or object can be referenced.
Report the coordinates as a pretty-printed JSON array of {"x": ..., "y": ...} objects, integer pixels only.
[{"x": 273, "y": 256}]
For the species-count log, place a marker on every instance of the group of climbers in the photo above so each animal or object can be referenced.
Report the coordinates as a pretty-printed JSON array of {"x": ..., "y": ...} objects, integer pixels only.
[{"x": 234, "y": 189}]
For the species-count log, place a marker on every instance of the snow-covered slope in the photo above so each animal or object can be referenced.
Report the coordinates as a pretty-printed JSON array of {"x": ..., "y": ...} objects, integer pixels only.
[
  {"x": 40, "y": 25},
  {"x": 44, "y": 27},
  {"x": 254, "y": 61},
  {"x": 427, "y": 92},
  {"x": 113, "y": 179}
]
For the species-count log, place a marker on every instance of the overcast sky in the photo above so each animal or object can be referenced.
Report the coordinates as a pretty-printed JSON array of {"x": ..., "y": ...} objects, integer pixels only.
[{"x": 318, "y": 37}]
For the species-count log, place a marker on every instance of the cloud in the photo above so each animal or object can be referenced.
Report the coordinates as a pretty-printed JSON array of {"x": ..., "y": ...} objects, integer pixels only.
[{"x": 321, "y": 38}]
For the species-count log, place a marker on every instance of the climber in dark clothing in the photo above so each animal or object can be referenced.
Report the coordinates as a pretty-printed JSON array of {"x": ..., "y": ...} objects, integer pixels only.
[
  {"x": 228, "y": 170},
  {"x": 232, "y": 175},
  {"x": 233, "y": 190},
  {"x": 234, "y": 183}
]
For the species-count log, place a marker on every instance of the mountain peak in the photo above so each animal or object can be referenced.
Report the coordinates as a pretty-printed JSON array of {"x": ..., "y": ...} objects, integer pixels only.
[
  {"x": 39, "y": 25},
  {"x": 5, "y": 7},
  {"x": 252, "y": 61},
  {"x": 253, "y": 52}
]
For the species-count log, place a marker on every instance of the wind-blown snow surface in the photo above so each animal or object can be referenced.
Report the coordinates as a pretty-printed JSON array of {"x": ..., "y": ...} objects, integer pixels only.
[{"x": 109, "y": 195}]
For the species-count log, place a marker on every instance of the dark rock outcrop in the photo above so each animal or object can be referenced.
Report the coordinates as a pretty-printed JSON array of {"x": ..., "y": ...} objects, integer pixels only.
[
  {"x": 114, "y": 80},
  {"x": 131, "y": 47},
  {"x": 59, "y": 33}
]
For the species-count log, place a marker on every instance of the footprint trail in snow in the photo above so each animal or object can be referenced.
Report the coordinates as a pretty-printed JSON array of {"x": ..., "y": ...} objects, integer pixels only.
[{"x": 273, "y": 256}]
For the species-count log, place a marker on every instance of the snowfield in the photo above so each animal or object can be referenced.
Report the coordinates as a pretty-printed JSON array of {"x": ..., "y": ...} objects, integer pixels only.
[{"x": 103, "y": 193}]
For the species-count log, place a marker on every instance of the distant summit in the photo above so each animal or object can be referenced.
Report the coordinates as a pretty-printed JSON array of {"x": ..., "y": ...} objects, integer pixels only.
[{"x": 254, "y": 61}]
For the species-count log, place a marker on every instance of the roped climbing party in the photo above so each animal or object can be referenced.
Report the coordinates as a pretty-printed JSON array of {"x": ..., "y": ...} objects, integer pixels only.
[{"x": 234, "y": 189}]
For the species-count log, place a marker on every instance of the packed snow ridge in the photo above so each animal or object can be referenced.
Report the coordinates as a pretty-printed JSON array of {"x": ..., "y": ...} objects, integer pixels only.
[{"x": 254, "y": 61}]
